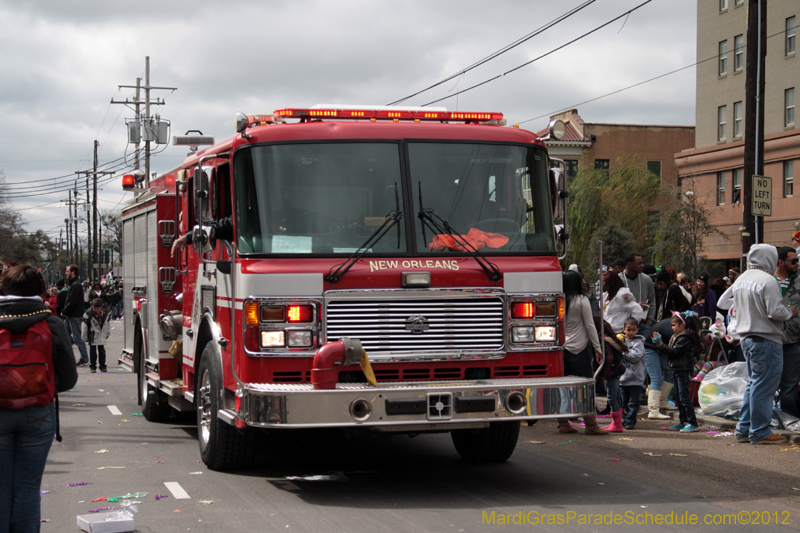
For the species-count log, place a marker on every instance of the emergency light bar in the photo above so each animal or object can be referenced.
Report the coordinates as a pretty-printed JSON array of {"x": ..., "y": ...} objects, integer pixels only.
[{"x": 387, "y": 113}]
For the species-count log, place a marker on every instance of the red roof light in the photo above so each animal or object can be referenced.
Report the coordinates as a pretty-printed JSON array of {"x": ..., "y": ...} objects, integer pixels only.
[{"x": 387, "y": 113}]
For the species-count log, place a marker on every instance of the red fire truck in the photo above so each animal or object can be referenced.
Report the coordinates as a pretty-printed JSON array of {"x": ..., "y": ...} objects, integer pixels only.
[{"x": 375, "y": 269}]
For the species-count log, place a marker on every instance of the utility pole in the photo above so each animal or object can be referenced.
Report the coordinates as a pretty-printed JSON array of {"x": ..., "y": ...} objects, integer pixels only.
[
  {"x": 147, "y": 122},
  {"x": 753, "y": 120},
  {"x": 91, "y": 221},
  {"x": 75, "y": 249}
]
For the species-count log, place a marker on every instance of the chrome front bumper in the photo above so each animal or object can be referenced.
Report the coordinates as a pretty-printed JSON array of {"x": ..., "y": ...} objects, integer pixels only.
[{"x": 421, "y": 405}]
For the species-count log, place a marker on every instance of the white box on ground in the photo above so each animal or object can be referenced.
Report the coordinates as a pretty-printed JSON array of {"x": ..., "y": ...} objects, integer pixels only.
[{"x": 114, "y": 522}]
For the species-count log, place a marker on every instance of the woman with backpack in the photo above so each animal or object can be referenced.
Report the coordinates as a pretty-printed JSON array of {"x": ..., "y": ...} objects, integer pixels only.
[{"x": 36, "y": 361}]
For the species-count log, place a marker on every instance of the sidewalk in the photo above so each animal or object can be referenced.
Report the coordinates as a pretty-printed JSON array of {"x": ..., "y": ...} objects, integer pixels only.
[{"x": 708, "y": 421}]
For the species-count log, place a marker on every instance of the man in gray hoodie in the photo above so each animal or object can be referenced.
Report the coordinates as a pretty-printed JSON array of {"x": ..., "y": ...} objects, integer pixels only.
[{"x": 760, "y": 322}]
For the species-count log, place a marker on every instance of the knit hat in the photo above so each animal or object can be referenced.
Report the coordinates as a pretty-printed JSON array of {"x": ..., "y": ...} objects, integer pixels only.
[
  {"x": 704, "y": 277},
  {"x": 663, "y": 276}
]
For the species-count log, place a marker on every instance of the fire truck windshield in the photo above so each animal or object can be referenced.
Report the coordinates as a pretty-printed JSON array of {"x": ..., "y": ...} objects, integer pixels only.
[
  {"x": 497, "y": 196},
  {"x": 329, "y": 198}
]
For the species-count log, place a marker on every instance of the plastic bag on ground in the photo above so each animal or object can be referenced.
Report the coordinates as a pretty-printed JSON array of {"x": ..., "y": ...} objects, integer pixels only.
[
  {"x": 722, "y": 390},
  {"x": 786, "y": 421}
]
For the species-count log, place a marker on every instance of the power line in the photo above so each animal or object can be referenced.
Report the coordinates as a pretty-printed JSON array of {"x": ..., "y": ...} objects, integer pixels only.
[
  {"x": 573, "y": 106},
  {"x": 501, "y": 51},
  {"x": 71, "y": 177},
  {"x": 61, "y": 188},
  {"x": 541, "y": 56}
]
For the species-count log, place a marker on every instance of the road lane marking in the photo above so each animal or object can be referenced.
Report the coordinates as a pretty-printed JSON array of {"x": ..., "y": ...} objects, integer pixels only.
[
  {"x": 114, "y": 410},
  {"x": 177, "y": 491}
]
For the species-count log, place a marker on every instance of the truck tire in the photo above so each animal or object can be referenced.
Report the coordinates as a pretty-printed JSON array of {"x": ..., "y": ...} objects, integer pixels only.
[
  {"x": 494, "y": 444},
  {"x": 222, "y": 446},
  {"x": 155, "y": 405}
]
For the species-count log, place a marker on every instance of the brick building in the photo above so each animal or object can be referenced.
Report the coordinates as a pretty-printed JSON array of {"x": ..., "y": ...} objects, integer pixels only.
[
  {"x": 716, "y": 161},
  {"x": 598, "y": 145}
]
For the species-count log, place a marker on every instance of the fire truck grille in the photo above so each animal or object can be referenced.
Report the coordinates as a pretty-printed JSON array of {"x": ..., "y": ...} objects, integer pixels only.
[{"x": 415, "y": 326}]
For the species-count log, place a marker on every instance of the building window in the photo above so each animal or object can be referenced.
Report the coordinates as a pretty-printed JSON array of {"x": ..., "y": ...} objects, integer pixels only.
[
  {"x": 720, "y": 188},
  {"x": 788, "y": 103},
  {"x": 739, "y": 2},
  {"x": 572, "y": 167},
  {"x": 723, "y": 58},
  {"x": 722, "y": 122},
  {"x": 736, "y": 197},
  {"x": 723, "y": 5},
  {"x": 788, "y": 179},
  {"x": 738, "y": 52},
  {"x": 601, "y": 164},
  {"x": 790, "y": 35},
  {"x": 655, "y": 168},
  {"x": 737, "y": 120}
]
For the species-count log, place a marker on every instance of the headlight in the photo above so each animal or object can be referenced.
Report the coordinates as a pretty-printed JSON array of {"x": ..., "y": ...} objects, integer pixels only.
[
  {"x": 272, "y": 339},
  {"x": 521, "y": 334},
  {"x": 300, "y": 338},
  {"x": 545, "y": 334}
]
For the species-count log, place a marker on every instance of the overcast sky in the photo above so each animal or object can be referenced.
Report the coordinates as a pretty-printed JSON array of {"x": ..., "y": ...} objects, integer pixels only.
[{"x": 61, "y": 64}]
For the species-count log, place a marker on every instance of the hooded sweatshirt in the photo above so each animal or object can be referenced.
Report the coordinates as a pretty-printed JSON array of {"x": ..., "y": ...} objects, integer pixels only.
[
  {"x": 757, "y": 297},
  {"x": 17, "y": 314},
  {"x": 636, "y": 372}
]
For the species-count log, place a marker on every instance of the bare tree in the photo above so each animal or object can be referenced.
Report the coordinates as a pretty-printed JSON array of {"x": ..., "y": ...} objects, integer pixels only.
[{"x": 681, "y": 235}]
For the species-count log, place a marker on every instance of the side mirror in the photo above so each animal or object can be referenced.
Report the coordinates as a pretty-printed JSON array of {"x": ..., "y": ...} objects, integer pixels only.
[
  {"x": 199, "y": 239},
  {"x": 200, "y": 195},
  {"x": 558, "y": 178}
]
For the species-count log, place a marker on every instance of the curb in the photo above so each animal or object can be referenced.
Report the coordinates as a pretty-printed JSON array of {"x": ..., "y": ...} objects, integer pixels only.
[
  {"x": 730, "y": 425},
  {"x": 719, "y": 423}
]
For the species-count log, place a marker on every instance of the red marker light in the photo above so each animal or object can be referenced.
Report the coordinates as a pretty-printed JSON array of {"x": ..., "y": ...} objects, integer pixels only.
[
  {"x": 128, "y": 182},
  {"x": 522, "y": 310},
  {"x": 300, "y": 313},
  {"x": 170, "y": 180}
]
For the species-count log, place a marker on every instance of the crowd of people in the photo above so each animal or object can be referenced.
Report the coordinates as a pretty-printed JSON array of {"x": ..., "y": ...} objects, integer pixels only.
[{"x": 663, "y": 328}]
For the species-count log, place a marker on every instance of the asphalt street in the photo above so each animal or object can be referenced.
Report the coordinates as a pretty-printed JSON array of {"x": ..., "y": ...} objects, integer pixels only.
[{"x": 318, "y": 481}]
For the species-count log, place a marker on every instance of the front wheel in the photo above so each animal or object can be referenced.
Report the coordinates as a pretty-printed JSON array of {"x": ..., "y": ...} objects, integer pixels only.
[
  {"x": 222, "y": 446},
  {"x": 494, "y": 444}
]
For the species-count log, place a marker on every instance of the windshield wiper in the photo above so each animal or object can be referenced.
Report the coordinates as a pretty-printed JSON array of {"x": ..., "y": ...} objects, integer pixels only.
[
  {"x": 392, "y": 218},
  {"x": 442, "y": 227}
]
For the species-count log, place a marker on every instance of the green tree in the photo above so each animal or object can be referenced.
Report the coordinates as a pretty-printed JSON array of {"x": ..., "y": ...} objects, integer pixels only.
[{"x": 616, "y": 206}]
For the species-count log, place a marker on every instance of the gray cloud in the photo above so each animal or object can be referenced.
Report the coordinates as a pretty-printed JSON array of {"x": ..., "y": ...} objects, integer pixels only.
[{"x": 61, "y": 63}]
